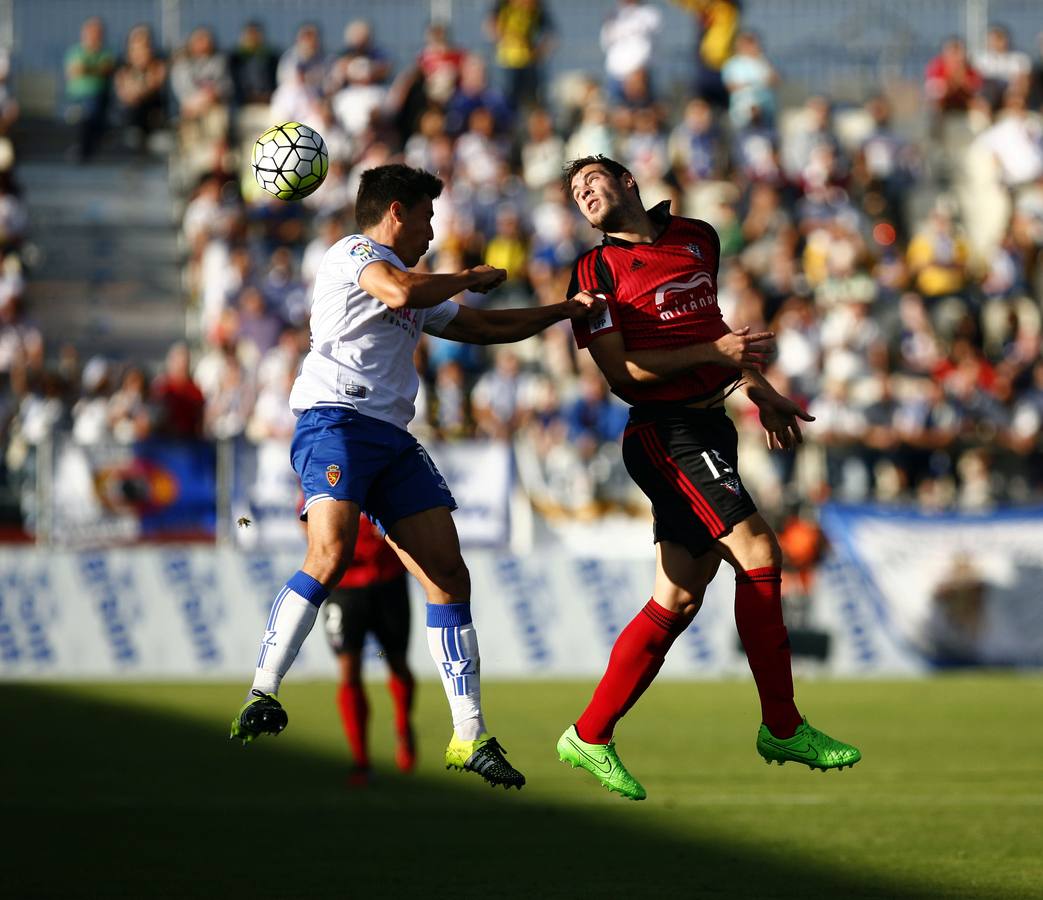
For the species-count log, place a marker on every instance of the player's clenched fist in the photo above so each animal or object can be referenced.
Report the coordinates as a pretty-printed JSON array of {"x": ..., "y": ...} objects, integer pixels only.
[
  {"x": 487, "y": 278},
  {"x": 583, "y": 304},
  {"x": 745, "y": 350}
]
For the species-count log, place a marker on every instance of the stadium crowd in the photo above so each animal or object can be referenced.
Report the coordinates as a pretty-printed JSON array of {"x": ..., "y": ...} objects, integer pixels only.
[{"x": 902, "y": 277}]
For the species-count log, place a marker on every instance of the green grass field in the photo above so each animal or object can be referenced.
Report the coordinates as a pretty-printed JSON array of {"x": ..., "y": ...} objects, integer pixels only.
[{"x": 134, "y": 791}]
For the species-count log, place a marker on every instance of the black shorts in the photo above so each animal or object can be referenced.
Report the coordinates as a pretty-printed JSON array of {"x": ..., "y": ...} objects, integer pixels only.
[
  {"x": 382, "y": 608},
  {"x": 685, "y": 461}
]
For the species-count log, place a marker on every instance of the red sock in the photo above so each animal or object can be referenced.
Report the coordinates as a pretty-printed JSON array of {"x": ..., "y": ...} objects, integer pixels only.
[
  {"x": 402, "y": 695},
  {"x": 758, "y": 616},
  {"x": 636, "y": 659},
  {"x": 354, "y": 713}
]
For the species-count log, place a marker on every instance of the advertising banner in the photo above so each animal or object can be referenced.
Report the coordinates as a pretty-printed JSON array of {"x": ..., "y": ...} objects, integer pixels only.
[
  {"x": 117, "y": 493},
  {"x": 948, "y": 589}
]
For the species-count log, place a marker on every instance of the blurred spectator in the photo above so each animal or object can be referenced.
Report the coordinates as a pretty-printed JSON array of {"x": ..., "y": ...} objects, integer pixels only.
[
  {"x": 297, "y": 99},
  {"x": 305, "y": 59},
  {"x": 499, "y": 400},
  {"x": 543, "y": 152},
  {"x": 507, "y": 248},
  {"x": 480, "y": 154},
  {"x": 9, "y": 108},
  {"x": 358, "y": 44},
  {"x": 627, "y": 38},
  {"x": 473, "y": 93},
  {"x": 178, "y": 400},
  {"x": 885, "y": 167},
  {"x": 130, "y": 413},
  {"x": 272, "y": 421},
  {"x": 697, "y": 151},
  {"x": 252, "y": 66},
  {"x": 808, "y": 134},
  {"x": 1015, "y": 141},
  {"x": 202, "y": 87},
  {"x": 90, "y": 412},
  {"x": 283, "y": 291},
  {"x": 141, "y": 88},
  {"x": 595, "y": 416},
  {"x": 718, "y": 24},
  {"x": 439, "y": 62},
  {"x": 359, "y": 102},
  {"x": 451, "y": 404},
  {"x": 1036, "y": 75},
  {"x": 227, "y": 409},
  {"x": 1000, "y": 66},
  {"x": 950, "y": 81},
  {"x": 593, "y": 135},
  {"x": 14, "y": 216},
  {"x": 750, "y": 80},
  {"x": 88, "y": 72},
  {"x": 523, "y": 32},
  {"x": 938, "y": 255},
  {"x": 259, "y": 327}
]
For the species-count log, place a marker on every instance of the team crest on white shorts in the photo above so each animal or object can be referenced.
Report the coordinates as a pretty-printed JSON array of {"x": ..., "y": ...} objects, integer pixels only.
[{"x": 333, "y": 474}]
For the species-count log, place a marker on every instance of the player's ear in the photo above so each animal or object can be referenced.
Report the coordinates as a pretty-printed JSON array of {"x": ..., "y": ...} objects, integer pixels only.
[{"x": 398, "y": 211}]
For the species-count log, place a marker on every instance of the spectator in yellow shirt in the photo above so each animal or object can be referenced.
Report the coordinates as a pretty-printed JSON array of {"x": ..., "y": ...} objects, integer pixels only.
[{"x": 938, "y": 256}]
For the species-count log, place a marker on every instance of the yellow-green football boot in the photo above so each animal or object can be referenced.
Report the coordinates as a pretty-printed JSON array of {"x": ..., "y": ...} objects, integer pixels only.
[
  {"x": 484, "y": 757},
  {"x": 260, "y": 714},
  {"x": 808, "y": 746},
  {"x": 602, "y": 761}
]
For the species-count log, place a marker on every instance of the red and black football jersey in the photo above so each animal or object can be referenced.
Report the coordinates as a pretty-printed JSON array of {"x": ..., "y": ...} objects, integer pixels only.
[{"x": 658, "y": 295}]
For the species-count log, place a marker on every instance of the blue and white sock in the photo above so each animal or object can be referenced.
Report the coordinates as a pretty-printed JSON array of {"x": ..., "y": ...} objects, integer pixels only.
[
  {"x": 292, "y": 616},
  {"x": 453, "y": 643}
]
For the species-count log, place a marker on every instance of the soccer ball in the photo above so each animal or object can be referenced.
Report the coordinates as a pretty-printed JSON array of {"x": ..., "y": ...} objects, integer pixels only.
[{"x": 290, "y": 160}]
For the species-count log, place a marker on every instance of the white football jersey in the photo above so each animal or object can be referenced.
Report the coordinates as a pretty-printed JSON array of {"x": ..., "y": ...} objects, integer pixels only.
[{"x": 362, "y": 350}]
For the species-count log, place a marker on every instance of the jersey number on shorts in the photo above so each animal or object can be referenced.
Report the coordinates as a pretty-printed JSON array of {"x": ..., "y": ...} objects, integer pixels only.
[{"x": 713, "y": 469}]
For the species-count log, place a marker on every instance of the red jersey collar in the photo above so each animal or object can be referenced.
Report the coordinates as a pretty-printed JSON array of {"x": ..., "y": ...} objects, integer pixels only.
[{"x": 659, "y": 214}]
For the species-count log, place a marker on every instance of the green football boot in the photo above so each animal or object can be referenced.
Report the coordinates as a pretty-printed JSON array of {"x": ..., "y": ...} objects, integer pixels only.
[
  {"x": 484, "y": 757},
  {"x": 809, "y": 746},
  {"x": 260, "y": 714},
  {"x": 601, "y": 761}
]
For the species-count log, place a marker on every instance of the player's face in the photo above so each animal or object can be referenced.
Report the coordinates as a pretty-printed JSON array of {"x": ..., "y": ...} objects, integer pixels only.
[
  {"x": 599, "y": 195},
  {"x": 416, "y": 233}
]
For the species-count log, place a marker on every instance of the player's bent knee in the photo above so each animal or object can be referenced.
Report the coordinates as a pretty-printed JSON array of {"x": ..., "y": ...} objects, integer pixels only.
[
  {"x": 326, "y": 562},
  {"x": 453, "y": 579}
]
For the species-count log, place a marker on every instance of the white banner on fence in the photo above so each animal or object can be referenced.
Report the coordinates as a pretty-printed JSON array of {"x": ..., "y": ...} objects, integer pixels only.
[
  {"x": 198, "y": 612},
  {"x": 950, "y": 590}
]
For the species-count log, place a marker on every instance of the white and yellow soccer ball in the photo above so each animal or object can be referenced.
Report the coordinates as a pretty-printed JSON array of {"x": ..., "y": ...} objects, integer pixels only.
[{"x": 290, "y": 160}]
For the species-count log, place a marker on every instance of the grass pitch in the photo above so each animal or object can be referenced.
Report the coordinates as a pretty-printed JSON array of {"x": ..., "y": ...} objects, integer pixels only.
[{"x": 135, "y": 791}]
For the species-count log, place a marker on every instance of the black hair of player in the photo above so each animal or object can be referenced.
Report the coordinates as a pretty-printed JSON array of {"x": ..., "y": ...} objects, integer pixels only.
[
  {"x": 382, "y": 186},
  {"x": 616, "y": 169}
]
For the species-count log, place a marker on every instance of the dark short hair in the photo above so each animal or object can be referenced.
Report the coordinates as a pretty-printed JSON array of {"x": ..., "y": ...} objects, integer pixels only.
[
  {"x": 382, "y": 186},
  {"x": 615, "y": 169}
]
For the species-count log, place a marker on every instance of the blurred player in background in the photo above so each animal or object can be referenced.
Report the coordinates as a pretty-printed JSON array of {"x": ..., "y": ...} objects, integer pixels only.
[
  {"x": 354, "y": 398},
  {"x": 659, "y": 342},
  {"x": 372, "y": 597}
]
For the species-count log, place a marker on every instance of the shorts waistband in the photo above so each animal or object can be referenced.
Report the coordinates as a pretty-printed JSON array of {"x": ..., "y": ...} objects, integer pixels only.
[{"x": 647, "y": 412}]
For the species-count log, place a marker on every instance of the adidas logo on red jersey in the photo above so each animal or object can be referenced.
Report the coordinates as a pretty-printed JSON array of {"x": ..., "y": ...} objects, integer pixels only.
[{"x": 636, "y": 264}]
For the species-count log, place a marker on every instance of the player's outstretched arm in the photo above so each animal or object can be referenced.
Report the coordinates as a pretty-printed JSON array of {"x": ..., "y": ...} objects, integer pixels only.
[
  {"x": 622, "y": 367},
  {"x": 780, "y": 416},
  {"x": 420, "y": 290},
  {"x": 503, "y": 326}
]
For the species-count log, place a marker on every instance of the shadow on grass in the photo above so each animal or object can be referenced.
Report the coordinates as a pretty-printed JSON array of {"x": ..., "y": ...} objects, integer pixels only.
[{"x": 107, "y": 800}]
